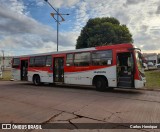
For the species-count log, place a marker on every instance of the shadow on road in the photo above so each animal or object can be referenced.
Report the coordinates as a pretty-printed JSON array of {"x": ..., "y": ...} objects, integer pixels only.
[{"x": 86, "y": 88}]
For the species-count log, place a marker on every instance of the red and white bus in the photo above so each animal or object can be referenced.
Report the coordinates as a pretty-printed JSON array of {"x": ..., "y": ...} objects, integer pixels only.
[{"x": 104, "y": 66}]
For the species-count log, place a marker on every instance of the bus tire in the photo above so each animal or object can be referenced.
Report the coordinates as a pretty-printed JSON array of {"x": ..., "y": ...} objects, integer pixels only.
[
  {"x": 101, "y": 84},
  {"x": 36, "y": 80}
]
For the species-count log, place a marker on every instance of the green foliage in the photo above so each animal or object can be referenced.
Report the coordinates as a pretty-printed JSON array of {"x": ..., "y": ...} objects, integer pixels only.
[
  {"x": 153, "y": 79},
  {"x": 103, "y": 31}
]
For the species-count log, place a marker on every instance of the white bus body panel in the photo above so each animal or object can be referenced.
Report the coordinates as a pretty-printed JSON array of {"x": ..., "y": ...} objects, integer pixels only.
[
  {"x": 140, "y": 83},
  {"x": 44, "y": 76},
  {"x": 86, "y": 77}
]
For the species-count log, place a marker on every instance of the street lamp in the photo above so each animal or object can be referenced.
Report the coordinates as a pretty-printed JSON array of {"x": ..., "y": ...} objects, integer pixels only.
[{"x": 56, "y": 19}]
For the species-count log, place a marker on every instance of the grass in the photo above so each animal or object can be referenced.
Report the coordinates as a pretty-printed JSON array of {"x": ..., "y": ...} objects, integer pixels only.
[
  {"x": 6, "y": 75},
  {"x": 153, "y": 79}
]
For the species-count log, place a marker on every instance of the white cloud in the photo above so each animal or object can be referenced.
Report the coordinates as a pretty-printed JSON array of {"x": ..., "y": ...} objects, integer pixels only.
[
  {"x": 14, "y": 5},
  {"x": 81, "y": 15},
  {"x": 17, "y": 30},
  {"x": 140, "y": 16},
  {"x": 40, "y": 2},
  {"x": 21, "y": 33},
  {"x": 63, "y": 3}
]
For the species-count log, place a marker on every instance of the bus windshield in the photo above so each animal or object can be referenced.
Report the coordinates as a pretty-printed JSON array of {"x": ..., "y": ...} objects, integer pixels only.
[{"x": 139, "y": 61}]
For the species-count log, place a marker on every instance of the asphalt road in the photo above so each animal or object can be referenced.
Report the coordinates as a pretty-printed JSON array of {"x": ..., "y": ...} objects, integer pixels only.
[{"x": 22, "y": 102}]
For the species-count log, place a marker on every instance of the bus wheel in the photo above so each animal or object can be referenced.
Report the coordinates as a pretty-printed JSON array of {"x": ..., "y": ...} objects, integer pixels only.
[
  {"x": 101, "y": 84},
  {"x": 36, "y": 80}
]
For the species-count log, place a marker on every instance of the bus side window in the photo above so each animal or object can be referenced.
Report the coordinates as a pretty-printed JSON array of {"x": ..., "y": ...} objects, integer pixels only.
[
  {"x": 82, "y": 59},
  {"x": 31, "y": 62},
  {"x": 16, "y": 62},
  {"x": 48, "y": 60},
  {"x": 101, "y": 58},
  {"x": 40, "y": 61},
  {"x": 69, "y": 60}
]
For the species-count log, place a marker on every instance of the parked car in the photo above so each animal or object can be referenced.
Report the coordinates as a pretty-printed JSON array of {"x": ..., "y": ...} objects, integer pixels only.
[
  {"x": 158, "y": 65},
  {"x": 151, "y": 66}
]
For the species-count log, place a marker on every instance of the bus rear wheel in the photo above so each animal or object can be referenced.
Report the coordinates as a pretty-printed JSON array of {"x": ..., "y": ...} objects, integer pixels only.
[
  {"x": 101, "y": 84},
  {"x": 36, "y": 80}
]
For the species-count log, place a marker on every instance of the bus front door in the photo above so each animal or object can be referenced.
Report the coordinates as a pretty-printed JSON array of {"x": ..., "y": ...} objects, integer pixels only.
[
  {"x": 24, "y": 70},
  {"x": 58, "y": 73},
  {"x": 125, "y": 70}
]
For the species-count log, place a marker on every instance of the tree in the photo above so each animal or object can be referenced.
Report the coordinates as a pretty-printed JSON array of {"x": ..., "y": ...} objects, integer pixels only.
[{"x": 103, "y": 31}]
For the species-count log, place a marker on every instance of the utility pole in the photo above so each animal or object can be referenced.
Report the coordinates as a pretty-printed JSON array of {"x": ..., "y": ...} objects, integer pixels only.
[
  {"x": 57, "y": 29},
  {"x": 3, "y": 60},
  {"x": 56, "y": 20}
]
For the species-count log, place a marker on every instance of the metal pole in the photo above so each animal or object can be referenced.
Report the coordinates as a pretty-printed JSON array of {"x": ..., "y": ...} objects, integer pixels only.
[
  {"x": 3, "y": 59},
  {"x": 57, "y": 27},
  {"x": 58, "y": 22}
]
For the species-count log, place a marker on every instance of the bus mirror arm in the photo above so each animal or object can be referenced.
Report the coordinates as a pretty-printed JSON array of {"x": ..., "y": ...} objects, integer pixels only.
[{"x": 131, "y": 49}]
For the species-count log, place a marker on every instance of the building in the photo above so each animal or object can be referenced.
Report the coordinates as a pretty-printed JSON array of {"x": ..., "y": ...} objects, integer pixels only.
[
  {"x": 6, "y": 61},
  {"x": 151, "y": 57}
]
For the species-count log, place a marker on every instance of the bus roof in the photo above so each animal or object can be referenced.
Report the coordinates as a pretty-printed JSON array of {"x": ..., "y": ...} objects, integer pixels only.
[{"x": 125, "y": 45}]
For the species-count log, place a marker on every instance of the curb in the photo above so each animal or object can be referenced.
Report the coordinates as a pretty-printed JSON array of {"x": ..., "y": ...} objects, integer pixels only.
[{"x": 150, "y": 89}]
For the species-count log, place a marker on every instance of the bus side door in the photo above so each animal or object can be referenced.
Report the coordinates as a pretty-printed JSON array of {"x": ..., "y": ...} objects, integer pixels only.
[{"x": 58, "y": 72}]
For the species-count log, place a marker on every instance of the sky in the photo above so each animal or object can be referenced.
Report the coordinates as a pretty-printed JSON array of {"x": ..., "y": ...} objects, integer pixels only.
[{"x": 26, "y": 26}]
